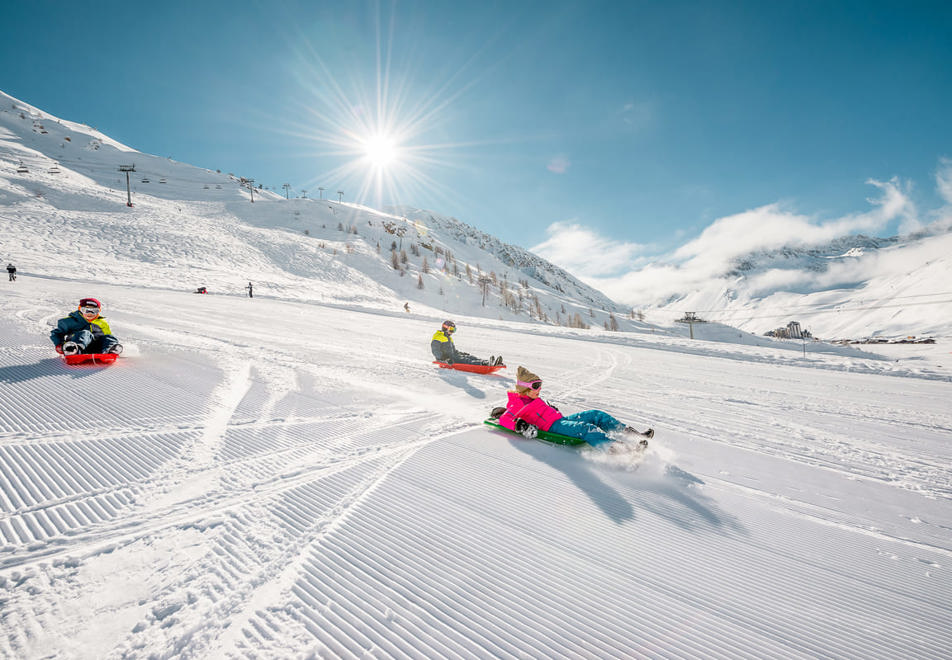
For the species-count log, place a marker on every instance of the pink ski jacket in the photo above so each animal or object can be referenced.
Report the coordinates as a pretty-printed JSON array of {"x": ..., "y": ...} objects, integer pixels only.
[{"x": 534, "y": 411}]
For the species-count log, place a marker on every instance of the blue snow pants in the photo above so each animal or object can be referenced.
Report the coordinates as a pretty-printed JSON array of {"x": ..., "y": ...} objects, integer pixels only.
[
  {"x": 588, "y": 425},
  {"x": 89, "y": 344}
]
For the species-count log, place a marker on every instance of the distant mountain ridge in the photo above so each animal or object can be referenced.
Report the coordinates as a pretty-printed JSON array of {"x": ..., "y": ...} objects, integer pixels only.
[
  {"x": 816, "y": 258},
  {"x": 851, "y": 287},
  {"x": 517, "y": 258}
]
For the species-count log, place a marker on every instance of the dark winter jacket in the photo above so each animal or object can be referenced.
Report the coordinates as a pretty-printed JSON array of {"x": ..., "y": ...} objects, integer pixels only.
[
  {"x": 69, "y": 326},
  {"x": 443, "y": 348},
  {"x": 11, "y": 268}
]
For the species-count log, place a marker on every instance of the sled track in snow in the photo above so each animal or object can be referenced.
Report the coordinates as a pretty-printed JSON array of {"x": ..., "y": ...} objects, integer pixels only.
[
  {"x": 71, "y": 468},
  {"x": 395, "y": 588},
  {"x": 97, "y": 516}
]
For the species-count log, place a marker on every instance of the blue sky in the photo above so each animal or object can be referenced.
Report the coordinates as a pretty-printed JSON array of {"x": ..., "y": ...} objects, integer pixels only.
[{"x": 626, "y": 128}]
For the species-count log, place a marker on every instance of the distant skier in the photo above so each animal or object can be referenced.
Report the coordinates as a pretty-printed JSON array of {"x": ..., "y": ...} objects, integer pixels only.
[
  {"x": 251, "y": 291},
  {"x": 406, "y": 306},
  {"x": 201, "y": 289},
  {"x": 84, "y": 331},
  {"x": 12, "y": 272},
  {"x": 524, "y": 409},
  {"x": 445, "y": 351}
]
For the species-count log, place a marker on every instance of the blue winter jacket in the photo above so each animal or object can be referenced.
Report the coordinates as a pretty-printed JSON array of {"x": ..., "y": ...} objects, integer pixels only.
[{"x": 67, "y": 327}]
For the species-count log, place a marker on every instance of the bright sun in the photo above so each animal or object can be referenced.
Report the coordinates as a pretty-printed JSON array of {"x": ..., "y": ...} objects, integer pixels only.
[{"x": 380, "y": 150}]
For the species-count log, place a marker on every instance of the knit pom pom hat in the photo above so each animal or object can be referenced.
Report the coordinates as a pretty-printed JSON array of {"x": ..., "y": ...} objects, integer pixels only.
[{"x": 523, "y": 375}]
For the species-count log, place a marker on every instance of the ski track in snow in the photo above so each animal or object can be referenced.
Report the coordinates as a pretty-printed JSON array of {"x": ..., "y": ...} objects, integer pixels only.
[{"x": 230, "y": 491}]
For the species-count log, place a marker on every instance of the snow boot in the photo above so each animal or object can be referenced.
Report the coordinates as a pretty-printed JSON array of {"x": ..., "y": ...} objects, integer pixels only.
[
  {"x": 633, "y": 431},
  {"x": 70, "y": 348},
  {"x": 498, "y": 362},
  {"x": 117, "y": 349}
]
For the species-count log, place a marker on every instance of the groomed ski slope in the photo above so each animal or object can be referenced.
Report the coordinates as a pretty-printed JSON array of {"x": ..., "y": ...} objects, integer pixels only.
[{"x": 258, "y": 478}]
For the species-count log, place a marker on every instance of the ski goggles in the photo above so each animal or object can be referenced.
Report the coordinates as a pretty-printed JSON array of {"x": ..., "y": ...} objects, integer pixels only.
[
  {"x": 532, "y": 384},
  {"x": 90, "y": 309}
]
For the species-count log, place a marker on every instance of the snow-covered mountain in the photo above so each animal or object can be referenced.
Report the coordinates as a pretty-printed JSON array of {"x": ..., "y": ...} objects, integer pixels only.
[
  {"x": 852, "y": 287},
  {"x": 197, "y": 227}
]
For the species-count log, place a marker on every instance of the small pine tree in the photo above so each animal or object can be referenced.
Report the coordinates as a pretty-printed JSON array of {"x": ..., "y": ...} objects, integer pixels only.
[
  {"x": 419, "y": 282},
  {"x": 404, "y": 259},
  {"x": 426, "y": 266},
  {"x": 395, "y": 260}
]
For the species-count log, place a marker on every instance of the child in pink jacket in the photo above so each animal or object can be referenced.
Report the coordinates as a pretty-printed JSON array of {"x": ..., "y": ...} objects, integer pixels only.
[{"x": 526, "y": 408}]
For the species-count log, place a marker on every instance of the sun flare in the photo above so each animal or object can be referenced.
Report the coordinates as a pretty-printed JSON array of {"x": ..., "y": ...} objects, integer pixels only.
[{"x": 381, "y": 151}]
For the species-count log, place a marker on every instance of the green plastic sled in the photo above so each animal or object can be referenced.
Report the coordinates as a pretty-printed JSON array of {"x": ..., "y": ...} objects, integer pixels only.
[{"x": 543, "y": 436}]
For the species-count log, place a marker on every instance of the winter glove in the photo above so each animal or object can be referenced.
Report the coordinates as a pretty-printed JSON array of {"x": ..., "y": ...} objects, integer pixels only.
[
  {"x": 59, "y": 349},
  {"x": 526, "y": 429},
  {"x": 497, "y": 412}
]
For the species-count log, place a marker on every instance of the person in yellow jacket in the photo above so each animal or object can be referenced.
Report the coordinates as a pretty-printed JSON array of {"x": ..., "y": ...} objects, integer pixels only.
[
  {"x": 84, "y": 331},
  {"x": 445, "y": 351}
]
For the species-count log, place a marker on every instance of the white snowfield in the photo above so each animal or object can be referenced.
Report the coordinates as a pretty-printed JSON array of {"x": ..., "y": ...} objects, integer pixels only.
[
  {"x": 266, "y": 478},
  {"x": 289, "y": 476}
]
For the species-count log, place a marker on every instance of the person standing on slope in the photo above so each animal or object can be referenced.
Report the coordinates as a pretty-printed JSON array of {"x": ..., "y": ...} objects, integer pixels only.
[
  {"x": 445, "y": 351},
  {"x": 84, "y": 331},
  {"x": 525, "y": 409},
  {"x": 250, "y": 288},
  {"x": 12, "y": 272}
]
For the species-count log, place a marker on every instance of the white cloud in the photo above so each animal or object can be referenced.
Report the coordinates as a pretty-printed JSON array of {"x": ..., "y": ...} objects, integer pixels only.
[
  {"x": 702, "y": 263},
  {"x": 943, "y": 179},
  {"x": 585, "y": 253},
  {"x": 559, "y": 164},
  {"x": 770, "y": 227}
]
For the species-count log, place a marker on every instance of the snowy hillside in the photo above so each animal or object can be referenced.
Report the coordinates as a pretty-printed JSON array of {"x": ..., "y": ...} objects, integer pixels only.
[
  {"x": 851, "y": 287},
  {"x": 288, "y": 476},
  {"x": 248, "y": 482},
  {"x": 63, "y": 213}
]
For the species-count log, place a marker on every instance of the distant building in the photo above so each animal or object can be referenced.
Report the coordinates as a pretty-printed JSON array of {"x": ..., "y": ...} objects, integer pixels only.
[{"x": 791, "y": 331}]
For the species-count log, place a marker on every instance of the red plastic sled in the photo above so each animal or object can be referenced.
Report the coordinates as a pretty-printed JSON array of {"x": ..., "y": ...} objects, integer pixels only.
[
  {"x": 91, "y": 358},
  {"x": 472, "y": 368}
]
